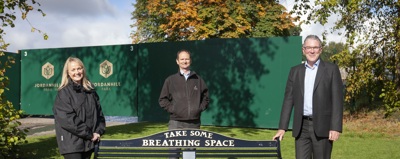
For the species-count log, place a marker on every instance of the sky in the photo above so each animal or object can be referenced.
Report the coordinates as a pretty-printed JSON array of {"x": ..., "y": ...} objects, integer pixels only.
[
  {"x": 316, "y": 29},
  {"x": 76, "y": 23},
  {"x": 73, "y": 23}
]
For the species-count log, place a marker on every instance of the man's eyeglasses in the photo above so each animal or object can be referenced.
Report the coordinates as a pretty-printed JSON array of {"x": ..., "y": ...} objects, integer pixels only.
[{"x": 308, "y": 48}]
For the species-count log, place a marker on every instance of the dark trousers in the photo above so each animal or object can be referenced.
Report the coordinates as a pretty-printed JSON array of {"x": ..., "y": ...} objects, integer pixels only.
[
  {"x": 309, "y": 146},
  {"x": 183, "y": 124},
  {"x": 78, "y": 155}
]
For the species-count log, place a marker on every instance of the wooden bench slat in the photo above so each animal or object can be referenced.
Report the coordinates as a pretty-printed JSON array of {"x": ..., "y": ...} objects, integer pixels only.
[
  {"x": 138, "y": 150},
  {"x": 138, "y": 155},
  {"x": 236, "y": 155}
]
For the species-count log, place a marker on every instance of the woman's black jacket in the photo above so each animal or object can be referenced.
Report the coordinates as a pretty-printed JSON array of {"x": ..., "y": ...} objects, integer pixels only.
[{"x": 78, "y": 115}]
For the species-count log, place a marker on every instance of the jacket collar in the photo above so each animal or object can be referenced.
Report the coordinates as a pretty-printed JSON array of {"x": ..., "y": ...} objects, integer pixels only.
[
  {"x": 190, "y": 74},
  {"x": 77, "y": 87}
]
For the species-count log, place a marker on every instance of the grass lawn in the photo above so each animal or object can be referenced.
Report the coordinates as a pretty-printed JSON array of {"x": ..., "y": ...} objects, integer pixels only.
[{"x": 363, "y": 138}]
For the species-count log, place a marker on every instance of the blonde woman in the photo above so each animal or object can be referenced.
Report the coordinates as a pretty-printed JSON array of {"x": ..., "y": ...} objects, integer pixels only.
[{"x": 79, "y": 120}]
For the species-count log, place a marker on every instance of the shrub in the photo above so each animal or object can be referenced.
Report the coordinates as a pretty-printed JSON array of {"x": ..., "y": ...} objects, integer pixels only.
[{"x": 10, "y": 135}]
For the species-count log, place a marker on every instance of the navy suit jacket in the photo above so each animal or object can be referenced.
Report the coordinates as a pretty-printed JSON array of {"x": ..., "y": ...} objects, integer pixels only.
[{"x": 327, "y": 100}]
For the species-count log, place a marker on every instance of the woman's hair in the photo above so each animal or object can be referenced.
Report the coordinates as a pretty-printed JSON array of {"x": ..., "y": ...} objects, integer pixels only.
[{"x": 64, "y": 79}]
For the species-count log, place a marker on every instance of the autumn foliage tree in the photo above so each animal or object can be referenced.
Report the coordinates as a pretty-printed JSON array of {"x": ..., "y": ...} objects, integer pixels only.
[
  {"x": 180, "y": 20},
  {"x": 10, "y": 134},
  {"x": 371, "y": 58}
]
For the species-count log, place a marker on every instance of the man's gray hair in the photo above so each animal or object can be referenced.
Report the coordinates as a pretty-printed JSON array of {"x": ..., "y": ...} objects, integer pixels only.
[{"x": 314, "y": 37}]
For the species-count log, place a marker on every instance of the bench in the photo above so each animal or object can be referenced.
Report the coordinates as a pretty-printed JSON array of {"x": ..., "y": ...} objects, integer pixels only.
[{"x": 187, "y": 144}]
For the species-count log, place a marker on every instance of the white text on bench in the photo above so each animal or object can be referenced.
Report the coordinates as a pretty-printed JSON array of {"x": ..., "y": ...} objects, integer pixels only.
[{"x": 184, "y": 133}]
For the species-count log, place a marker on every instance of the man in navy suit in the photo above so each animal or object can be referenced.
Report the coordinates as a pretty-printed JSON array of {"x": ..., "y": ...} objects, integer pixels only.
[{"x": 315, "y": 91}]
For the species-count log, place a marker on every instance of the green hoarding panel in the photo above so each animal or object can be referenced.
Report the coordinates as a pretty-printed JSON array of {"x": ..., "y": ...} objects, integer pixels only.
[
  {"x": 14, "y": 75},
  {"x": 246, "y": 77},
  {"x": 112, "y": 69}
]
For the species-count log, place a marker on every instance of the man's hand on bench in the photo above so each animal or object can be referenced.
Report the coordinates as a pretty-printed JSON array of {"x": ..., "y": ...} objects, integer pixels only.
[{"x": 279, "y": 135}]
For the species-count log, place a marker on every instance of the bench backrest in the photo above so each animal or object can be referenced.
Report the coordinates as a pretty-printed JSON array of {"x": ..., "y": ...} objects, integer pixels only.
[{"x": 174, "y": 143}]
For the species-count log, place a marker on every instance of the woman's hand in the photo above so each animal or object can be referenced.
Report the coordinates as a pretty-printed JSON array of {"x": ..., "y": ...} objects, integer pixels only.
[{"x": 96, "y": 137}]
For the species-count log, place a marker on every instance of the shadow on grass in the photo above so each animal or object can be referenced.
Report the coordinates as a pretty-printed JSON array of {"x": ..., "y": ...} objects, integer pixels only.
[
  {"x": 45, "y": 147},
  {"x": 143, "y": 129},
  {"x": 40, "y": 148},
  {"x": 134, "y": 130},
  {"x": 241, "y": 133}
]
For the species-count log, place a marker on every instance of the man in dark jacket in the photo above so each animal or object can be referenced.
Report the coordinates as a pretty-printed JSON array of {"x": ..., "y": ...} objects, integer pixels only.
[
  {"x": 314, "y": 91},
  {"x": 184, "y": 95}
]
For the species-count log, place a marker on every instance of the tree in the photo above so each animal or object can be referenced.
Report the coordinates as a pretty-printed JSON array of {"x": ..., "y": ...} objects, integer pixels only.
[
  {"x": 372, "y": 29},
  {"x": 10, "y": 134},
  {"x": 180, "y": 20},
  {"x": 331, "y": 49}
]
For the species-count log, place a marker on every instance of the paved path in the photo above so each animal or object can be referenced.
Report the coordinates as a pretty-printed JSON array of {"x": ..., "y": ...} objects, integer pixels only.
[{"x": 45, "y": 125}]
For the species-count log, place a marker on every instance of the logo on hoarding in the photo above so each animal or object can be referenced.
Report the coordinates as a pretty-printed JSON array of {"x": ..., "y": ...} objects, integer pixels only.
[
  {"x": 106, "y": 69},
  {"x": 47, "y": 70}
]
